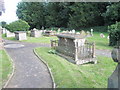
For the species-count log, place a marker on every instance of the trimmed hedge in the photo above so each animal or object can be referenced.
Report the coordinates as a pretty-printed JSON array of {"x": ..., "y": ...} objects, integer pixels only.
[
  {"x": 18, "y": 25},
  {"x": 114, "y": 33}
]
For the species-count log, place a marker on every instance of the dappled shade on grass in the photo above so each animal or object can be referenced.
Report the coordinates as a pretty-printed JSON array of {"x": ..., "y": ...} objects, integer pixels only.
[{"x": 68, "y": 75}]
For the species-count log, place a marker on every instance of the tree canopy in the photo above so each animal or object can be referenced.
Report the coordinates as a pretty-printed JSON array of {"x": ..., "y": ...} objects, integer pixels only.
[{"x": 68, "y": 14}]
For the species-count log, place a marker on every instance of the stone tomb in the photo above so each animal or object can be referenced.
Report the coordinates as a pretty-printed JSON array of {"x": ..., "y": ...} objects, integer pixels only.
[
  {"x": 20, "y": 35},
  {"x": 36, "y": 33},
  {"x": 75, "y": 47},
  {"x": 9, "y": 34}
]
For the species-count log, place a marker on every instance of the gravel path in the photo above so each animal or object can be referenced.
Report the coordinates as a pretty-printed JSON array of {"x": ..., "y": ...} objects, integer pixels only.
[
  {"x": 106, "y": 53},
  {"x": 30, "y": 72}
]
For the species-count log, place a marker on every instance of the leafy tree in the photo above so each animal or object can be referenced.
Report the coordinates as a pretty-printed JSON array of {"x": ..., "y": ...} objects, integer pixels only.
[
  {"x": 86, "y": 15},
  {"x": 112, "y": 14},
  {"x": 32, "y": 12},
  {"x": 114, "y": 33},
  {"x": 18, "y": 25},
  {"x": 57, "y": 14},
  {"x": 3, "y": 24}
]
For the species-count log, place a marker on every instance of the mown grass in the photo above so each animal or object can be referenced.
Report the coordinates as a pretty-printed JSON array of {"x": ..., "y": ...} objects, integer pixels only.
[
  {"x": 68, "y": 75},
  {"x": 101, "y": 43},
  {"x": 43, "y": 39},
  {"x": 8, "y": 38},
  {"x": 5, "y": 67}
]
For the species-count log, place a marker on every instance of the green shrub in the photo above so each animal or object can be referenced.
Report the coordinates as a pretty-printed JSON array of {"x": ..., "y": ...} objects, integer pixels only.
[
  {"x": 18, "y": 25},
  {"x": 114, "y": 33},
  {"x": 52, "y": 51}
]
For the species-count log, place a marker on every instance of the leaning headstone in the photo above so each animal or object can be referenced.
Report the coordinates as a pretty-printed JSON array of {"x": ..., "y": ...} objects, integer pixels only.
[
  {"x": 10, "y": 34},
  {"x": 114, "y": 79},
  {"x": 20, "y": 35}
]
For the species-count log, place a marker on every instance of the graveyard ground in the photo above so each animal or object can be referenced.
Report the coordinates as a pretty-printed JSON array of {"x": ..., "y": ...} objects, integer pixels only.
[
  {"x": 101, "y": 43},
  {"x": 69, "y": 75},
  {"x": 5, "y": 67}
]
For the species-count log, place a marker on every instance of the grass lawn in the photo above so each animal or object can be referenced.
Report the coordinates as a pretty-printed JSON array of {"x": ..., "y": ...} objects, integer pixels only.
[
  {"x": 5, "y": 67},
  {"x": 43, "y": 39},
  {"x": 101, "y": 43},
  {"x": 68, "y": 75}
]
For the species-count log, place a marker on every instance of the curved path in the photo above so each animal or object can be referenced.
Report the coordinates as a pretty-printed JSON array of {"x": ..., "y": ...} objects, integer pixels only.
[{"x": 30, "y": 72}]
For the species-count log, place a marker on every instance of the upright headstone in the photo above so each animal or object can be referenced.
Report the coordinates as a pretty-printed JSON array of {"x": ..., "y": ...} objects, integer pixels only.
[
  {"x": 58, "y": 32},
  {"x": 92, "y": 32},
  {"x": 114, "y": 79}
]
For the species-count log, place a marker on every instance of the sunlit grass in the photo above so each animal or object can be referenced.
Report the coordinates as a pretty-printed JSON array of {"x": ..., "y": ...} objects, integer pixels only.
[
  {"x": 68, "y": 75},
  {"x": 5, "y": 67}
]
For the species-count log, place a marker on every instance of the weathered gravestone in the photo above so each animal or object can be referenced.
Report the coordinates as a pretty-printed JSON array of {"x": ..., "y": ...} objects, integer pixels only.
[
  {"x": 20, "y": 35},
  {"x": 114, "y": 79},
  {"x": 36, "y": 33},
  {"x": 74, "y": 46}
]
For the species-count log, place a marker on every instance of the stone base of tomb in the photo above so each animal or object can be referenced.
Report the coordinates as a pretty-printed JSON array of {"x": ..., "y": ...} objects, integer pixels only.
[
  {"x": 78, "y": 62},
  {"x": 87, "y": 60}
]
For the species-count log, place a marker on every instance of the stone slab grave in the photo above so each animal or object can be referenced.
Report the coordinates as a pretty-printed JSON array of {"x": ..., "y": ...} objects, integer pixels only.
[
  {"x": 36, "y": 33},
  {"x": 9, "y": 34},
  {"x": 20, "y": 35},
  {"x": 114, "y": 79},
  {"x": 74, "y": 46}
]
